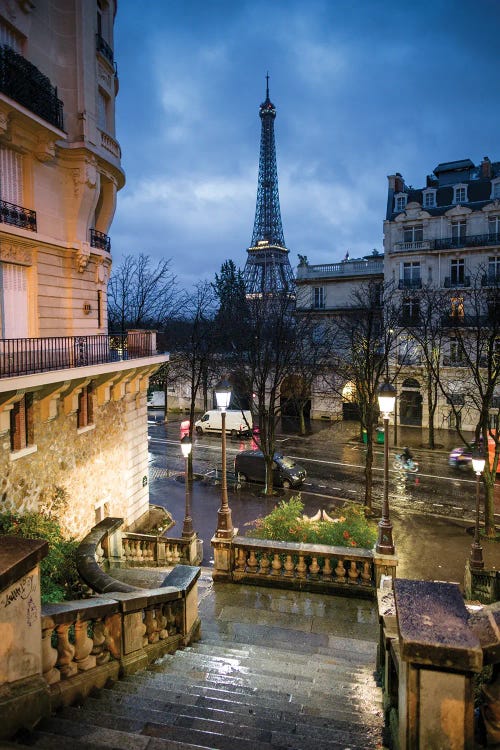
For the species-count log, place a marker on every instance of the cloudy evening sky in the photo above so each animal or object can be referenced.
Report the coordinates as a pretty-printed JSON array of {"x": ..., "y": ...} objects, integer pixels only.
[{"x": 362, "y": 88}]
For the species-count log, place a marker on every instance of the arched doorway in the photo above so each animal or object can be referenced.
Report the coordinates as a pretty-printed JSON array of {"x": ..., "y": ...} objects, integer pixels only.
[
  {"x": 410, "y": 403},
  {"x": 350, "y": 407}
]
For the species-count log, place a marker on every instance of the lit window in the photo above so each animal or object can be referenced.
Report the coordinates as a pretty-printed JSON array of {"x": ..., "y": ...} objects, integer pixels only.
[
  {"x": 21, "y": 423},
  {"x": 400, "y": 202},
  {"x": 457, "y": 307},
  {"x": 85, "y": 413},
  {"x": 460, "y": 194},
  {"x": 319, "y": 297}
]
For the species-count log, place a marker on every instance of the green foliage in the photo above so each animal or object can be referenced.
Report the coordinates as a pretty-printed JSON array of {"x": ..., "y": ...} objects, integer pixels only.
[
  {"x": 58, "y": 573},
  {"x": 286, "y": 524}
]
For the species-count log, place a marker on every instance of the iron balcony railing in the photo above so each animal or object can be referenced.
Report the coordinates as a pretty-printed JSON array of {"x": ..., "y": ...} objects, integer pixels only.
[
  {"x": 410, "y": 283},
  {"x": 449, "y": 243},
  {"x": 18, "y": 216},
  {"x": 104, "y": 49},
  {"x": 23, "y": 82},
  {"x": 31, "y": 356},
  {"x": 100, "y": 240},
  {"x": 450, "y": 283}
]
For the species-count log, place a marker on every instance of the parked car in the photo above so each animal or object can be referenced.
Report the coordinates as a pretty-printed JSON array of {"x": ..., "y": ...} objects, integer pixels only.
[
  {"x": 251, "y": 467},
  {"x": 238, "y": 423},
  {"x": 461, "y": 458}
]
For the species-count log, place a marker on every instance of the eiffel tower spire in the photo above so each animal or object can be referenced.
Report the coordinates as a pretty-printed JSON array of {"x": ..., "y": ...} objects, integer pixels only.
[{"x": 268, "y": 268}]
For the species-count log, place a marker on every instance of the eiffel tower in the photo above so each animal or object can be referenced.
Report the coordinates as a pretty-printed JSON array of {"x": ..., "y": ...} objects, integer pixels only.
[{"x": 268, "y": 269}]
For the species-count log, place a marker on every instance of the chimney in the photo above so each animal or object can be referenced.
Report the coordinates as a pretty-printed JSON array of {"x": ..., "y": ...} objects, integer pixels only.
[
  {"x": 396, "y": 182},
  {"x": 486, "y": 169}
]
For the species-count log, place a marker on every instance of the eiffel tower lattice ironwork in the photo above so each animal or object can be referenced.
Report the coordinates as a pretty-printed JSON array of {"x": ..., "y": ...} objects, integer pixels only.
[{"x": 267, "y": 269}]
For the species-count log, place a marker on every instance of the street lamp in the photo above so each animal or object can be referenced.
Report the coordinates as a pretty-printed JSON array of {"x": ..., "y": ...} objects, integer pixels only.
[
  {"x": 386, "y": 402},
  {"x": 187, "y": 529},
  {"x": 224, "y": 523},
  {"x": 476, "y": 551}
]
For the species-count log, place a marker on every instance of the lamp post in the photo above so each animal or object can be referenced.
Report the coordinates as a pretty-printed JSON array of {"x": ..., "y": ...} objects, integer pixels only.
[
  {"x": 187, "y": 528},
  {"x": 224, "y": 522},
  {"x": 476, "y": 551},
  {"x": 386, "y": 402}
]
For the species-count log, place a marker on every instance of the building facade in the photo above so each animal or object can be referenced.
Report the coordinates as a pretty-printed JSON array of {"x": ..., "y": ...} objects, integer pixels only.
[{"x": 73, "y": 427}]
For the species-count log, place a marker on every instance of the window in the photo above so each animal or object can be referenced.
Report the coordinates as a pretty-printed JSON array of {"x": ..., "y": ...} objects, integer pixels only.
[
  {"x": 400, "y": 201},
  {"x": 493, "y": 305},
  {"x": 457, "y": 307},
  {"x": 456, "y": 351},
  {"x": 21, "y": 423},
  {"x": 14, "y": 301},
  {"x": 85, "y": 413},
  {"x": 99, "y": 308},
  {"x": 460, "y": 194},
  {"x": 413, "y": 233},
  {"x": 457, "y": 399},
  {"x": 429, "y": 198},
  {"x": 410, "y": 310},
  {"x": 10, "y": 37},
  {"x": 494, "y": 226},
  {"x": 319, "y": 297},
  {"x": 458, "y": 229},
  {"x": 11, "y": 176},
  {"x": 457, "y": 271},
  {"x": 411, "y": 275},
  {"x": 495, "y": 189},
  {"x": 494, "y": 269},
  {"x": 102, "y": 111}
]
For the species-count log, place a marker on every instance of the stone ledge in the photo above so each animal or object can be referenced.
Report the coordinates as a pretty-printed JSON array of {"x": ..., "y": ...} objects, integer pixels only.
[{"x": 18, "y": 556}]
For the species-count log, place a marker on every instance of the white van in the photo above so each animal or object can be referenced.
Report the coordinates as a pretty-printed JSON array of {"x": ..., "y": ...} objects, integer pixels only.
[{"x": 238, "y": 423}]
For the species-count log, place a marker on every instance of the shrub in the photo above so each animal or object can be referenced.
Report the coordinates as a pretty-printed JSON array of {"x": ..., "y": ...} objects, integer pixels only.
[
  {"x": 286, "y": 524},
  {"x": 59, "y": 578}
]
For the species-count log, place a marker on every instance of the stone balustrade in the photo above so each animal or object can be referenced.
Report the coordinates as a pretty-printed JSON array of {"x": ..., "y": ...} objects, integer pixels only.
[
  {"x": 152, "y": 550},
  {"x": 315, "y": 567}
]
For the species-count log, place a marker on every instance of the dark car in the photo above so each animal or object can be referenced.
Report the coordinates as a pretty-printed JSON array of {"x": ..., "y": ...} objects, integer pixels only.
[
  {"x": 461, "y": 458},
  {"x": 251, "y": 467}
]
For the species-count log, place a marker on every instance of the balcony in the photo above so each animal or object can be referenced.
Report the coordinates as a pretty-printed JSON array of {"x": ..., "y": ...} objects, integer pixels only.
[
  {"x": 105, "y": 50},
  {"x": 32, "y": 356},
  {"x": 345, "y": 268},
  {"x": 22, "y": 81},
  {"x": 17, "y": 216},
  {"x": 451, "y": 283},
  {"x": 100, "y": 240},
  {"x": 410, "y": 284},
  {"x": 449, "y": 243}
]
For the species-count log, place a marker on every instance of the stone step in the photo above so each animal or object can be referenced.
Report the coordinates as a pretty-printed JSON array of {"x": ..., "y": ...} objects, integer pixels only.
[
  {"x": 283, "y": 728},
  {"x": 329, "y": 705},
  {"x": 106, "y": 741},
  {"x": 342, "y": 648}
]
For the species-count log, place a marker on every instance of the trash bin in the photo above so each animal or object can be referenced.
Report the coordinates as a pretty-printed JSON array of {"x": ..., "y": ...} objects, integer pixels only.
[
  {"x": 365, "y": 437},
  {"x": 380, "y": 435}
]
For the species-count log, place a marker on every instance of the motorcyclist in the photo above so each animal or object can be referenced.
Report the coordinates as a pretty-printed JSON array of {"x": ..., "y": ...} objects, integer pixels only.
[{"x": 407, "y": 456}]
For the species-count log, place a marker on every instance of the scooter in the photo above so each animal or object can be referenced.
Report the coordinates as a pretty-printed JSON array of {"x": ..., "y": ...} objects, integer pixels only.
[{"x": 405, "y": 464}]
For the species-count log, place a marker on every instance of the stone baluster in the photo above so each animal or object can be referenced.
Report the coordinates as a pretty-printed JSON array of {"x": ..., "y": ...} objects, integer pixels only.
[
  {"x": 162, "y": 622},
  {"x": 99, "y": 647},
  {"x": 314, "y": 568},
  {"x": 176, "y": 555},
  {"x": 276, "y": 565},
  {"x": 340, "y": 571},
  {"x": 168, "y": 553},
  {"x": 65, "y": 652},
  {"x": 151, "y": 625},
  {"x": 252, "y": 562},
  {"x": 289, "y": 567},
  {"x": 366, "y": 574},
  {"x": 49, "y": 653},
  {"x": 83, "y": 647},
  {"x": 126, "y": 550},
  {"x": 353, "y": 572},
  {"x": 99, "y": 554},
  {"x": 241, "y": 560},
  {"x": 327, "y": 569},
  {"x": 264, "y": 564},
  {"x": 171, "y": 624},
  {"x": 301, "y": 567},
  {"x": 138, "y": 552}
]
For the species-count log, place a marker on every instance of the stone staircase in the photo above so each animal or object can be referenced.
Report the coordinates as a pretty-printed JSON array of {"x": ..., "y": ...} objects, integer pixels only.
[{"x": 273, "y": 669}]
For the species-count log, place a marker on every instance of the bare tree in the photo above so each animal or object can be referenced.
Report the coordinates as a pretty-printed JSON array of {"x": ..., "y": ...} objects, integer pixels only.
[{"x": 140, "y": 294}]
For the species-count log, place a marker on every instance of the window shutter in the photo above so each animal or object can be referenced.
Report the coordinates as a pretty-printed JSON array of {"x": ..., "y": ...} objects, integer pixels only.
[
  {"x": 11, "y": 176},
  {"x": 14, "y": 292}
]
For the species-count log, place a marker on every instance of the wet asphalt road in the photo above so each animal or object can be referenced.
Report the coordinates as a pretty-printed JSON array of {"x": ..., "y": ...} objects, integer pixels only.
[{"x": 432, "y": 512}]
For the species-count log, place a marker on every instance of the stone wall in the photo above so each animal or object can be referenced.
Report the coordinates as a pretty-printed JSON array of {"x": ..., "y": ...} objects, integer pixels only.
[{"x": 99, "y": 470}]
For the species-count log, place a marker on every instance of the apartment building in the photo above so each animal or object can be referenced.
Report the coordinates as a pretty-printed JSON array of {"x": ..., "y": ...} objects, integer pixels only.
[
  {"x": 73, "y": 426},
  {"x": 444, "y": 236}
]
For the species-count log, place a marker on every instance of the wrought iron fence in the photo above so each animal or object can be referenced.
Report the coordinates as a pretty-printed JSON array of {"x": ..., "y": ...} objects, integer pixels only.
[
  {"x": 23, "y": 82},
  {"x": 17, "y": 216},
  {"x": 29, "y": 356},
  {"x": 105, "y": 50}
]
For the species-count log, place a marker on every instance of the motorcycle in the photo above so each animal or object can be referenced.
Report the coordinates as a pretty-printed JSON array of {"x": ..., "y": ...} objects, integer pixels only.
[{"x": 404, "y": 464}]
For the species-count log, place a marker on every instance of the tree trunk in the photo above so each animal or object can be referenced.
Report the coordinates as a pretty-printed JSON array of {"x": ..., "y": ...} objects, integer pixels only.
[
  {"x": 302, "y": 421},
  {"x": 489, "y": 501},
  {"x": 269, "y": 488}
]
